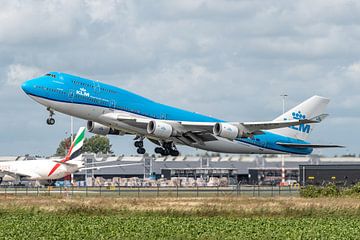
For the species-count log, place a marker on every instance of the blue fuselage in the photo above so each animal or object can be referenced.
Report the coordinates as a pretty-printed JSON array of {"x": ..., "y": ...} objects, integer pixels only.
[{"x": 66, "y": 88}]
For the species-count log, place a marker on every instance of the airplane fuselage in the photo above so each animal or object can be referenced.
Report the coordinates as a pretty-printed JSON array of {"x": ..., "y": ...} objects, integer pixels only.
[
  {"x": 42, "y": 169},
  {"x": 91, "y": 100}
]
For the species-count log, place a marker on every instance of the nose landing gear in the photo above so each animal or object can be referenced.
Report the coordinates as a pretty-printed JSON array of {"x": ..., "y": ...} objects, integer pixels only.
[{"x": 50, "y": 120}]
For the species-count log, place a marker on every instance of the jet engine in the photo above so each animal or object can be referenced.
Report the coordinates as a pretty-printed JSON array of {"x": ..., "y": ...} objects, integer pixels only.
[
  {"x": 100, "y": 129},
  {"x": 229, "y": 131},
  {"x": 159, "y": 129}
]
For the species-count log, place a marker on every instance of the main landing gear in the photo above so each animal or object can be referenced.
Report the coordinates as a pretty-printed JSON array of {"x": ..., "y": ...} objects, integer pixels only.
[
  {"x": 140, "y": 147},
  {"x": 50, "y": 120},
  {"x": 168, "y": 148}
]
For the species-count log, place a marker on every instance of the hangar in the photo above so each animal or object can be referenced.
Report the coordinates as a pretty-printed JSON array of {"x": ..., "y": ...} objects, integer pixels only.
[{"x": 343, "y": 174}]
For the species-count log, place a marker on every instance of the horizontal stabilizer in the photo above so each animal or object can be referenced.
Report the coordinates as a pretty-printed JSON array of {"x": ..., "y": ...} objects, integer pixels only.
[
  {"x": 297, "y": 145},
  {"x": 109, "y": 166},
  {"x": 320, "y": 118}
]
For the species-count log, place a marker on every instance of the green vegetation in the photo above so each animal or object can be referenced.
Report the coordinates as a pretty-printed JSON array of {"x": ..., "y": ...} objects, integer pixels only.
[
  {"x": 330, "y": 190},
  {"x": 95, "y": 144},
  {"x": 153, "y": 226},
  {"x": 179, "y": 218}
]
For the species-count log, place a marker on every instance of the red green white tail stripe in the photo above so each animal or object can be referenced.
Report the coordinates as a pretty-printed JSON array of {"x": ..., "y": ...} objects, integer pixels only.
[{"x": 74, "y": 151}]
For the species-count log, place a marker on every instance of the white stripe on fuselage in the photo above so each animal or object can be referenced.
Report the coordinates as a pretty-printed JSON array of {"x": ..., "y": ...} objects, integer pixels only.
[{"x": 93, "y": 113}]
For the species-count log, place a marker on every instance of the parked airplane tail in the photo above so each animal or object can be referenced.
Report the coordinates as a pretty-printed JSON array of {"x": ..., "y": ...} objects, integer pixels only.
[
  {"x": 76, "y": 146},
  {"x": 312, "y": 108}
]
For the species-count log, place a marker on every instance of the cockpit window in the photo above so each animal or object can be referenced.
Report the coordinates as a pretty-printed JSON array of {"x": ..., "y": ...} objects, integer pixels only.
[{"x": 50, "y": 75}]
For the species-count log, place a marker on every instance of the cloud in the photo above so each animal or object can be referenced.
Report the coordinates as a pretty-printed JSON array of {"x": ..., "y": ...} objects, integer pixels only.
[
  {"x": 353, "y": 71},
  {"x": 98, "y": 11},
  {"x": 18, "y": 73},
  {"x": 229, "y": 59}
]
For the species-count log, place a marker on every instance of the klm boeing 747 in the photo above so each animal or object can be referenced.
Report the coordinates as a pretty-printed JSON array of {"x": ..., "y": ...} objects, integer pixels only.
[{"x": 112, "y": 110}]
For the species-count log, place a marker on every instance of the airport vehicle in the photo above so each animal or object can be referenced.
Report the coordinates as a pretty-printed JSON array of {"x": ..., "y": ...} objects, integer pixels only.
[
  {"x": 112, "y": 110},
  {"x": 50, "y": 169}
]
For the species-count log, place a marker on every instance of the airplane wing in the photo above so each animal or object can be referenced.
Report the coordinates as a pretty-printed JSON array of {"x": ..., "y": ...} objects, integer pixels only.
[
  {"x": 108, "y": 166},
  {"x": 258, "y": 126},
  {"x": 198, "y": 132},
  {"x": 297, "y": 145},
  {"x": 14, "y": 174}
]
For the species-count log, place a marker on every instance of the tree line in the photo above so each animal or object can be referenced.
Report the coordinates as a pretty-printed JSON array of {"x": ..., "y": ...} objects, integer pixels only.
[{"x": 95, "y": 144}]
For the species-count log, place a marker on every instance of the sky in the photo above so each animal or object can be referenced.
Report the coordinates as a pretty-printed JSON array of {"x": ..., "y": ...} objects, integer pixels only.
[{"x": 228, "y": 59}]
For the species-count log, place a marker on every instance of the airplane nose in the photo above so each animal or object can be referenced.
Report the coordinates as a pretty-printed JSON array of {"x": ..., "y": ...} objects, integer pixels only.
[{"x": 25, "y": 87}]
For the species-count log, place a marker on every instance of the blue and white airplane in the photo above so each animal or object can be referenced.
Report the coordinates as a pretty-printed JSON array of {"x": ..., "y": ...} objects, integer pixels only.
[{"x": 112, "y": 110}]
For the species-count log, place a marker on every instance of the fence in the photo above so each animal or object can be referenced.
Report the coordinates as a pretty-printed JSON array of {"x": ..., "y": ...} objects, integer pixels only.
[{"x": 117, "y": 191}]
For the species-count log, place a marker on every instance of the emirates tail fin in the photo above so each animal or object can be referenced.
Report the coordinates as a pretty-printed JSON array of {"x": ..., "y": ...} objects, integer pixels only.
[{"x": 76, "y": 146}]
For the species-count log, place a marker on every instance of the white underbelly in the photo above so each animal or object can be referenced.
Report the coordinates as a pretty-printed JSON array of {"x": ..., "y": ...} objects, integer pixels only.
[
  {"x": 226, "y": 146},
  {"x": 90, "y": 112}
]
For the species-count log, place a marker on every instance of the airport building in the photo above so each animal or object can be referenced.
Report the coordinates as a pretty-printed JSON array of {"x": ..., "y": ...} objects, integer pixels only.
[
  {"x": 340, "y": 173},
  {"x": 251, "y": 169}
]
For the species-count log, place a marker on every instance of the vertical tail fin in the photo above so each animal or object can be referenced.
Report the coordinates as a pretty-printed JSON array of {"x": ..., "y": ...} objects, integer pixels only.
[
  {"x": 76, "y": 146},
  {"x": 313, "y": 107}
]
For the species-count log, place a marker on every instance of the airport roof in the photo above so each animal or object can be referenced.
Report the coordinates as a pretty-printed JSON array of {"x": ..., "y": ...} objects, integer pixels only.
[{"x": 240, "y": 162}]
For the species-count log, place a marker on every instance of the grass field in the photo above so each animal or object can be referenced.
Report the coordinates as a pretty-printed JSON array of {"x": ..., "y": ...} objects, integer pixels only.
[{"x": 179, "y": 218}]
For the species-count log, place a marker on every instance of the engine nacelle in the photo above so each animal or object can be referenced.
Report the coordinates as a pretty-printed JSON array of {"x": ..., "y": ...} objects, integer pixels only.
[
  {"x": 159, "y": 129},
  {"x": 226, "y": 130},
  {"x": 100, "y": 129},
  {"x": 229, "y": 131}
]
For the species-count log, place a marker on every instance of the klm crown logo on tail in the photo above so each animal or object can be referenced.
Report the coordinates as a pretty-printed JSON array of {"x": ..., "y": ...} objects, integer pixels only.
[
  {"x": 305, "y": 128},
  {"x": 312, "y": 108}
]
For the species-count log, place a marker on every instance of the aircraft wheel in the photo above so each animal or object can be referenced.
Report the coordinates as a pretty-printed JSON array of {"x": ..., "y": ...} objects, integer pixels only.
[
  {"x": 50, "y": 121},
  {"x": 166, "y": 152},
  {"x": 159, "y": 150},
  {"x": 174, "y": 153},
  {"x": 141, "y": 150},
  {"x": 139, "y": 144}
]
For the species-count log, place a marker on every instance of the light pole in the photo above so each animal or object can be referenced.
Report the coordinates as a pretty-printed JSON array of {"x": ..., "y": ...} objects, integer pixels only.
[
  {"x": 282, "y": 156},
  {"x": 283, "y": 101},
  {"x": 71, "y": 129},
  {"x": 71, "y": 142}
]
